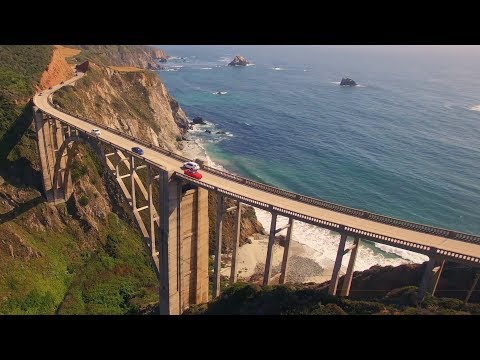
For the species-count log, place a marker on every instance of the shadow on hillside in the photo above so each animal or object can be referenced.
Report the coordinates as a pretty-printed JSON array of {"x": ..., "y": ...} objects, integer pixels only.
[
  {"x": 21, "y": 209},
  {"x": 20, "y": 171}
]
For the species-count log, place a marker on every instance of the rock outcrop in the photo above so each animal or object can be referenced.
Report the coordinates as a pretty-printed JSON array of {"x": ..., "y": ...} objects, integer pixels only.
[
  {"x": 249, "y": 224},
  {"x": 57, "y": 71},
  {"x": 198, "y": 120},
  {"x": 159, "y": 55},
  {"x": 347, "y": 82},
  {"x": 239, "y": 61},
  {"x": 124, "y": 55},
  {"x": 136, "y": 103}
]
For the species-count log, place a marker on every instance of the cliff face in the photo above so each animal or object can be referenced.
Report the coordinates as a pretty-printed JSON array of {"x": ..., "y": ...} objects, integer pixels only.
[
  {"x": 249, "y": 224},
  {"x": 58, "y": 70},
  {"x": 135, "y": 102},
  {"x": 123, "y": 55}
]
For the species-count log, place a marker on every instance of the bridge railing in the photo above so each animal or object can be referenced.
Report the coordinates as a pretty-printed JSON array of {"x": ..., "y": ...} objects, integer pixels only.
[{"x": 291, "y": 195}]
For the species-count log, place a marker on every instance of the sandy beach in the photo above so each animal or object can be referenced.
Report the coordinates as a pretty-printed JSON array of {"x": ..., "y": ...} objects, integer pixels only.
[
  {"x": 251, "y": 261},
  {"x": 251, "y": 257}
]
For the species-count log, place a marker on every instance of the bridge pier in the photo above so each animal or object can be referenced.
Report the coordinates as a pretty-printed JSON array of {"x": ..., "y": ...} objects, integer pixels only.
[
  {"x": 332, "y": 288},
  {"x": 472, "y": 288},
  {"x": 271, "y": 240},
  {"x": 218, "y": 247},
  {"x": 286, "y": 251},
  {"x": 183, "y": 247},
  {"x": 233, "y": 273},
  {"x": 347, "y": 279},
  {"x": 431, "y": 277}
]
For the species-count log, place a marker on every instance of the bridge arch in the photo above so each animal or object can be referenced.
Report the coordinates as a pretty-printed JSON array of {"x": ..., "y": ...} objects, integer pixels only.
[{"x": 62, "y": 179}]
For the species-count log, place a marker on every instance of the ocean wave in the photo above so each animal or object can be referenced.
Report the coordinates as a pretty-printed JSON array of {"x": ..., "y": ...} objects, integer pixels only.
[
  {"x": 250, "y": 64},
  {"x": 206, "y": 68},
  {"x": 247, "y": 124},
  {"x": 324, "y": 244},
  {"x": 320, "y": 244},
  {"x": 224, "y": 59},
  {"x": 278, "y": 68},
  {"x": 220, "y": 93},
  {"x": 475, "y": 108},
  {"x": 335, "y": 82}
]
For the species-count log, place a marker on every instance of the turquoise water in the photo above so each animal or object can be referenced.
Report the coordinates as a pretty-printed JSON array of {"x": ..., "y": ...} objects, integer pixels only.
[{"x": 405, "y": 143}]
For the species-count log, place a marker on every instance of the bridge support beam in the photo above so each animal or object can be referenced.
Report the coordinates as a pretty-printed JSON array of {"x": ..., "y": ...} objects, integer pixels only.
[
  {"x": 233, "y": 273},
  {"x": 132, "y": 179},
  {"x": 271, "y": 240},
  {"x": 437, "y": 272},
  {"x": 43, "y": 143},
  {"x": 431, "y": 276},
  {"x": 475, "y": 281},
  {"x": 218, "y": 247},
  {"x": 286, "y": 251},
  {"x": 151, "y": 216},
  {"x": 347, "y": 279},
  {"x": 332, "y": 288},
  {"x": 183, "y": 246}
]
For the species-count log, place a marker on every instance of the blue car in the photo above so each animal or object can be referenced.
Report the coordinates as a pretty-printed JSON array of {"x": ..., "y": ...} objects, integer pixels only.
[{"x": 137, "y": 150}]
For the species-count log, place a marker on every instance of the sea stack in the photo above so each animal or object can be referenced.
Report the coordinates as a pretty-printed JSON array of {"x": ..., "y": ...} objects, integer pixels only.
[
  {"x": 347, "y": 82},
  {"x": 239, "y": 61}
]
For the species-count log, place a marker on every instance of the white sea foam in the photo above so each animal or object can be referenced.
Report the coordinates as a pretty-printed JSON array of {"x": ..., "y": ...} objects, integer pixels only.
[
  {"x": 221, "y": 92},
  {"x": 475, "y": 108},
  {"x": 321, "y": 244},
  {"x": 278, "y": 68},
  {"x": 335, "y": 82},
  {"x": 250, "y": 64},
  {"x": 206, "y": 68},
  {"x": 325, "y": 244}
]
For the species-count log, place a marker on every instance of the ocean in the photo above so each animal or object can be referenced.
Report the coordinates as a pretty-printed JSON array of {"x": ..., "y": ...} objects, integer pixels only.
[{"x": 404, "y": 143}]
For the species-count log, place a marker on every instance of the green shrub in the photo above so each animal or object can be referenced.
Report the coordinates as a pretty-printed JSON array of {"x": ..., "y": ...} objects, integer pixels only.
[{"x": 83, "y": 200}]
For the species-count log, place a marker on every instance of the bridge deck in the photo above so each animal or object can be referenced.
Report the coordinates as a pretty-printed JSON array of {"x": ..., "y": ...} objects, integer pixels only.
[{"x": 171, "y": 164}]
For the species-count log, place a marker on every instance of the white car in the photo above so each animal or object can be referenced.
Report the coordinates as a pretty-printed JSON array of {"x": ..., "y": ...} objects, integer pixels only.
[
  {"x": 96, "y": 132},
  {"x": 192, "y": 166}
]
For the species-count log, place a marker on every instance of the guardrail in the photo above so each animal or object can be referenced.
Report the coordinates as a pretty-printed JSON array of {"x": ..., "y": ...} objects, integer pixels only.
[{"x": 298, "y": 197}]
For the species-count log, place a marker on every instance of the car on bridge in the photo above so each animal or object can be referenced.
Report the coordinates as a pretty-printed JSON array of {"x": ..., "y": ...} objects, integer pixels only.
[
  {"x": 96, "y": 132},
  {"x": 191, "y": 168},
  {"x": 190, "y": 165},
  {"x": 137, "y": 150},
  {"x": 191, "y": 173}
]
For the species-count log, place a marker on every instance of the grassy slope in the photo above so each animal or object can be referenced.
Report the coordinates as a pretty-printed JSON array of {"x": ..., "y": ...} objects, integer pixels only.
[
  {"x": 114, "y": 278},
  {"x": 243, "y": 299},
  {"x": 67, "y": 276},
  {"x": 21, "y": 67}
]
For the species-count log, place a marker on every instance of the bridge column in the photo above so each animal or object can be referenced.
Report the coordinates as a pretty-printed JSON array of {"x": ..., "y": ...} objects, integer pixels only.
[
  {"x": 218, "y": 247},
  {"x": 151, "y": 215},
  {"x": 437, "y": 272},
  {"x": 183, "y": 245},
  {"x": 475, "y": 281},
  {"x": 286, "y": 251},
  {"x": 271, "y": 240},
  {"x": 41, "y": 129},
  {"x": 233, "y": 272},
  {"x": 132, "y": 173},
  {"x": 332, "y": 288},
  {"x": 59, "y": 188},
  {"x": 347, "y": 279},
  {"x": 430, "y": 277}
]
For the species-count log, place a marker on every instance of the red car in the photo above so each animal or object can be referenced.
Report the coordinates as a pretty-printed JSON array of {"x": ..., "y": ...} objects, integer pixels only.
[{"x": 193, "y": 174}]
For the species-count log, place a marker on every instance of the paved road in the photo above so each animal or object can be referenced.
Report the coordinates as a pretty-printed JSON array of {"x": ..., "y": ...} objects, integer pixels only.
[{"x": 460, "y": 247}]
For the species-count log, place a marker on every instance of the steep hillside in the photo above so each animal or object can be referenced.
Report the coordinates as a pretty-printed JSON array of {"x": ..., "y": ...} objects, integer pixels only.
[
  {"x": 84, "y": 256},
  {"x": 302, "y": 299},
  {"x": 58, "y": 69},
  {"x": 145, "y": 57},
  {"x": 136, "y": 103}
]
